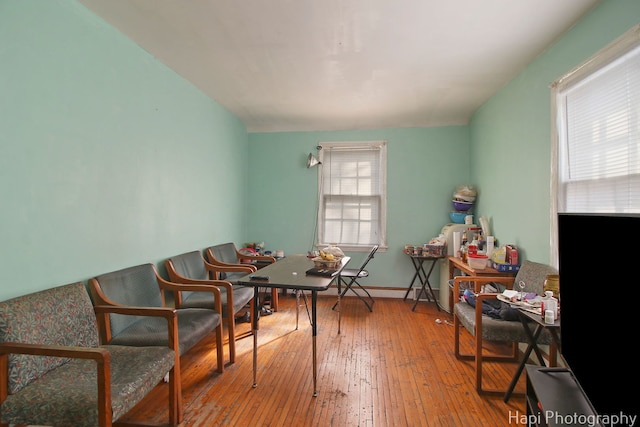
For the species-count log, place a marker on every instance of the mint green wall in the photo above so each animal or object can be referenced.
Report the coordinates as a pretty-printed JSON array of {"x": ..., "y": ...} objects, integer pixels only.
[
  {"x": 109, "y": 159},
  {"x": 511, "y": 133},
  {"x": 424, "y": 167}
]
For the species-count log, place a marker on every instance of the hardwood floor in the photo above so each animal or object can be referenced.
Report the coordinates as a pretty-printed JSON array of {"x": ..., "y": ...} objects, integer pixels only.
[{"x": 389, "y": 367}]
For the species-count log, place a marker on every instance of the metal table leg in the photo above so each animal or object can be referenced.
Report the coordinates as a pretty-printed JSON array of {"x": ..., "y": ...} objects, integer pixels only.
[
  {"x": 255, "y": 336},
  {"x": 425, "y": 283},
  {"x": 533, "y": 346},
  {"x": 314, "y": 300},
  {"x": 339, "y": 303},
  {"x": 417, "y": 265}
]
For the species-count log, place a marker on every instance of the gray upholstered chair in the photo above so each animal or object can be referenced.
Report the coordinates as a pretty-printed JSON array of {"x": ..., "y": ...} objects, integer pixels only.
[
  {"x": 141, "y": 286},
  {"x": 231, "y": 264},
  {"x": 472, "y": 319},
  {"x": 54, "y": 372},
  {"x": 192, "y": 268}
]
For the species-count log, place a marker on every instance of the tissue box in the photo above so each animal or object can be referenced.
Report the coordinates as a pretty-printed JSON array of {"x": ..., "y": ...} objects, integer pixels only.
[{"x": 505, "y": 268}]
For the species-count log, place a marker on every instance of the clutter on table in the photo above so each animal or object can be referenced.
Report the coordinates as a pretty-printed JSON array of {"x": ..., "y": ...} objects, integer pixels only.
[
  {"x": 505, "y": 259},
  {"x": 436, "y": 248},
  {"x": 329, "y": 257}
]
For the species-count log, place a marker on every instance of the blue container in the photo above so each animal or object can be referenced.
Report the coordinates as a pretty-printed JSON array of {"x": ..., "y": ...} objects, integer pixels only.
[
  {"x": 458, "y": 217},
  {"x": 462, "y": 206}
]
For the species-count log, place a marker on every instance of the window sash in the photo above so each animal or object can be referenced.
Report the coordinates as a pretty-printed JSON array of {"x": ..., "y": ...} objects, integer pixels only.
[
  {"x": 351, "y": 220},
  {"x": 595, "y": 147},
  {"x": 600, "y": 140},
  {"x": 352, "y": 194}
]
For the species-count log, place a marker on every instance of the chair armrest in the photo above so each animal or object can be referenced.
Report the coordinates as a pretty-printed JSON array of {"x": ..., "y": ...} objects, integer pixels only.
[
  {"x": 170, "y": 314},
  {"x": 100, "y": 355},
  {"x": 177, "y": 287},
  {"x": 231, "y": 268},
  {"x": 478, "y": 281},
  {"x": 166, "y": 312},
  {"x": 186, "y": 281}
]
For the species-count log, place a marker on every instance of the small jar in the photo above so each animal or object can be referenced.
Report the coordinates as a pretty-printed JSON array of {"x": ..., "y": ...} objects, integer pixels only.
[
  {"x": 549, "y": 303},
  {"x": 473, "y": 248},
  {"x": 552, "y": 283}
]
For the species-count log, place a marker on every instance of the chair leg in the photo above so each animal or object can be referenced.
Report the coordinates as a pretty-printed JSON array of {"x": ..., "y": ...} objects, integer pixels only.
[
  {"x": 175, "y": 387},
  {"x": 274, "y": 299},
  {"x": 219, "y": 348},
  {"x": 456, "y": 337},
  {"x": 369, "y": 297},
  {"x": 479, "y": 357},
  {"x": 349, "y": 287},
  {"x": 231, "y": 329},
  {"x": 175, "y": 398},
  {"x": 478, "y": 367}
]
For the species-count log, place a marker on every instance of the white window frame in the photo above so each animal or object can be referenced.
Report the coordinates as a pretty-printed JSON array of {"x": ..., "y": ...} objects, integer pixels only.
[
  {"x": 625, "y": 44},
  {"x": 325, "y": 197}
]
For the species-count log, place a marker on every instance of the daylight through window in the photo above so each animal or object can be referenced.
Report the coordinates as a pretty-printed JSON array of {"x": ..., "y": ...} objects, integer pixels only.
[{"x": 352, "y": 194}]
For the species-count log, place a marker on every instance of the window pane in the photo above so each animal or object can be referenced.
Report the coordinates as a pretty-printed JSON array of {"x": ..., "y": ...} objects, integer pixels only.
[
  {"x": 600, "y": 146},
  {"x": 352, "y": 203}
]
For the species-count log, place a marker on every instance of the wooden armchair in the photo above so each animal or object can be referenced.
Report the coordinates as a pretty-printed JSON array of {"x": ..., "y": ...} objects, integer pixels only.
[
  {"x": 483, "y": 327},
  {"x": 231, "y": 264},
  {"x": 141, "y": 286},
  {"x": 55, "y": 373},
  {"x": 191, "y": 268}
]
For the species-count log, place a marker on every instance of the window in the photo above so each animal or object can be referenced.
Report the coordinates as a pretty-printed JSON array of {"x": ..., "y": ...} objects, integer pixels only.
[
  {"x": 352, "y": 194},
  {"x": 596, "y": 150}
]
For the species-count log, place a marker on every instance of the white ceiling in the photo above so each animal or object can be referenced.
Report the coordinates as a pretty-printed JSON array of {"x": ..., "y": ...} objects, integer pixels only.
[{"x": 304, "y": 65}]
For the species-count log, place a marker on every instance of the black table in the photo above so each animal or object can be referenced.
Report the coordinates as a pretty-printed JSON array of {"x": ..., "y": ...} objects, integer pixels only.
[
  {"x": 418, "y": 265},
  {"x": 527, "y": 317},
  {"x": 289, "y": 273}
]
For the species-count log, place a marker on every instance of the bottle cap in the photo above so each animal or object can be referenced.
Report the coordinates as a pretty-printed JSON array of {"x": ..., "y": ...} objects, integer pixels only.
[{"x": 548, "y": 294}]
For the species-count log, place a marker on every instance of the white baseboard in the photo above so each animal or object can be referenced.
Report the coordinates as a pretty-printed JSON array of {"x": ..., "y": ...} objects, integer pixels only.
[{"x": 393, "y": 292}]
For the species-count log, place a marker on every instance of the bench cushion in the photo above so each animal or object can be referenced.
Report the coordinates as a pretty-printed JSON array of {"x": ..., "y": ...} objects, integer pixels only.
[
  {"x": 496, "y": 329},
  {"x": 241, "y": 296},
  {"x": 193, "y": 325}
]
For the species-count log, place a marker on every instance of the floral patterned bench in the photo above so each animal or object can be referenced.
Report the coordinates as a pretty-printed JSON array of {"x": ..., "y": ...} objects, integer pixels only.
[{"x": 54, "y": 372}]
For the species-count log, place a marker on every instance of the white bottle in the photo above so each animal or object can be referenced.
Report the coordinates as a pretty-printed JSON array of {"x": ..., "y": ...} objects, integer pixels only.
[
  {"x": 490, "y": 243},
  {"x": 551, "y": 303}
]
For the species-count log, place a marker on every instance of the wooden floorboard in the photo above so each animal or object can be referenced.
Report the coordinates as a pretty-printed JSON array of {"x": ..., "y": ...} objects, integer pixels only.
[{"x": 389, "y": 367}]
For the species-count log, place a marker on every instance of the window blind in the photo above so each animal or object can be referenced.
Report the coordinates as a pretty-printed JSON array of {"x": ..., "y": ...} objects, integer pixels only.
[
  {"x": 352, "y": 187},
  {"x": 599, "y": 167}
]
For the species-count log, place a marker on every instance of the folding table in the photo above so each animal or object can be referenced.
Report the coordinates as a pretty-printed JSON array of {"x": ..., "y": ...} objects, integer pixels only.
[
  {"x": 418, "y": 264},
  {"x": 290, "y": 273}
]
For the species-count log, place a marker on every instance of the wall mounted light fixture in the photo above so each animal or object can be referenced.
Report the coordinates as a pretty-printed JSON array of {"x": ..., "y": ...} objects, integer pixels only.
[{"x": 312, "y": 161}]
